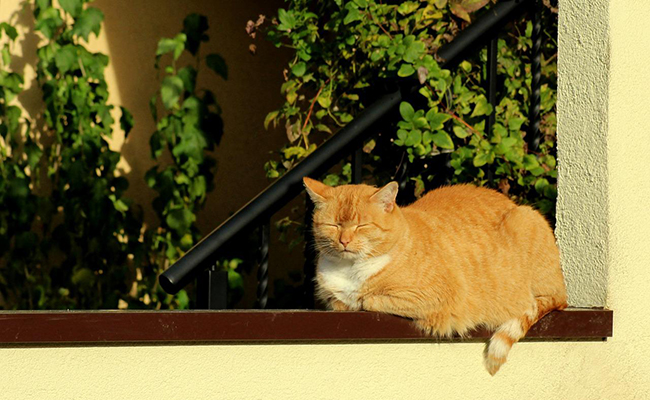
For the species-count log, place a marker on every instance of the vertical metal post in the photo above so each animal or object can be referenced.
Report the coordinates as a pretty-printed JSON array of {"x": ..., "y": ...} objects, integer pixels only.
[
  {"x": 310, "y": 256},
  {"x": 534, "y": 137},
  {"x": 212, "y": 289},
  {"x": 357, "y": 166},
  {"x": 263, "y": 266},
  {"x": 492, "y": 80}
]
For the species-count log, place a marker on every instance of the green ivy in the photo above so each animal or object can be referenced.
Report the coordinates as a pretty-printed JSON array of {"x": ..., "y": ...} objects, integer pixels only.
[
  {"x": 20, "y": 279},
  {"x": 69, "y": 238},
  {"x": 341, "y": 49},
  {"x": 188, "y": 126},
  {"x": 89, "y": 219}
]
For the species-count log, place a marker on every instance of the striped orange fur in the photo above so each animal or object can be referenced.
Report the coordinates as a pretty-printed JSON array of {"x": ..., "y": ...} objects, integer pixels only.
[{"x": 458, "y": 258}]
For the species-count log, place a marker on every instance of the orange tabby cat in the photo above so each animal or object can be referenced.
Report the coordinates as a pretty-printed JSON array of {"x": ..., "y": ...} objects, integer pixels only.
[{"x": 458, "y": 258}]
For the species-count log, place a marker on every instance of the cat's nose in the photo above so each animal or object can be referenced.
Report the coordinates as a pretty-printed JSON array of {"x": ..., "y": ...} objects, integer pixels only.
[{"x": 345, "y": 241}]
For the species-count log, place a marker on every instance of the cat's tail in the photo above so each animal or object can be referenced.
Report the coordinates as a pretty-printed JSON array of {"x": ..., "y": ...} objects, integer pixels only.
[{"x": 512, "y": 330}]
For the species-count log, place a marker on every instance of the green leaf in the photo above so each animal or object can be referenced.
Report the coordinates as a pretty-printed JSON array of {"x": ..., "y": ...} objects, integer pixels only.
[
  {"x": 414, "y": 51},
  {"x": 48, "y": 22},
  {"x": 401, "y": 137},
  {"x": 84, "y": 278},
  {"x": 514, "y": 124},
  {"x": 151, "y": 176},
  {"x": 443, "y": 140},
  {"x": 183, "y": 300},
  {"x": 42, "y": 5},
  {"x": 323, "y": 128},
  {"x": 461, "y": 131},
  {"x": 12, "y": 118},
  {"x": 216, "y": 63},
  {"x": 540, "y": 185},
  {"x": 72, "y": 7},
  {"x": 9, "y": 30},
  {"x": 406, "y": 110},
  {"x": 270, "y": 117},
  {"x": 324, "y": 100},
  {"x": 235, "y": 280},
  {"x": 420, "y": 122},
  {"x": 186, "y": 241},
  {"x": 436, "y": 119},
  {"x": 191, "y": 145},
  {"x": 286, "y": 19},
  {"x": 198, "y": 188},
  {"x": 480, "y": 159},
  {"x": 414, "y": 138},
  {"x": 126, "y": 121},
  {"x": 119, "y": 204},
  {"x": 482, "y": 107},
  {"x": 66, "y": 59},
  {"x": 406, "y": 70},
  {"x": 352, "y": 15},
  {"x": 299, "y": 69},
  {"x": 171, "y": 90},
  {"x": 550, "y": 191},
  {"x": 407, "y": 7},
  {"x": 188, "y": 75},
  {"x": 6, "y": 56},
  {"x": 530, "y": 162},
  {"x": 180, "y": 220},
  {"x": 33, "y": 153},
  {"x": 500, "y": 130},
  {"x": 508, "y": 142},
  {"x": 175, "y": 45},
  {"x": 89, "y": 21}
]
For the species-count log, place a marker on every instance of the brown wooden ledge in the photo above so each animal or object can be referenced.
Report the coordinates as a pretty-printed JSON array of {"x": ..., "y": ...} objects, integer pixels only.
[{"x": 23, "y": 327}]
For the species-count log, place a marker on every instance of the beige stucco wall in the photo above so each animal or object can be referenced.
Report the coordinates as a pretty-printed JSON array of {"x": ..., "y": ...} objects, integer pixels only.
[
  {"x": 617, "y": 369},
  {"x": 583, "y": 79}
]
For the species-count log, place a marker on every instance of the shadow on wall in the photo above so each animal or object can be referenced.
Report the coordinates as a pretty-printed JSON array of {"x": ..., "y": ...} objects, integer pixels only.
[{"x": 31, "y": 98}]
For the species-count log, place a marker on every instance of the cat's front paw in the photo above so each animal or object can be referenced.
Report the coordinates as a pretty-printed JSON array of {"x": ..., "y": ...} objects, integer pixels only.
[
  {"x": 337, "y": 305},
  {"x": 369, "y": 303}
]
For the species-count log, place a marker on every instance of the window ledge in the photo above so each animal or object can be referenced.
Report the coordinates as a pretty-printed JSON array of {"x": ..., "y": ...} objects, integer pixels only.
[{"x": 52, "y": 327}]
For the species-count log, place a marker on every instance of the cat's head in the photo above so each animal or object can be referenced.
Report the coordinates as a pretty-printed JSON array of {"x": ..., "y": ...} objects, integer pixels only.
[{"x": 354, "y": 221}]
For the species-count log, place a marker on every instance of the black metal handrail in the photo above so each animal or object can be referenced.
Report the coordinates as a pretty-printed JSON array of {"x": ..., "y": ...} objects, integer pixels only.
[{"x": 341, "y": 144}]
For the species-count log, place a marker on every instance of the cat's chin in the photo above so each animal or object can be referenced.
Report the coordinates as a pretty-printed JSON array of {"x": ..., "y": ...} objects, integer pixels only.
[{"x": 349, "y": 255}]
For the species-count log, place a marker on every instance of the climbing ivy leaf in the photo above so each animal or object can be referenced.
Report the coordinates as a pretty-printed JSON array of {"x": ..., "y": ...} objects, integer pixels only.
[
  {"x": 89, "y": 21},
  {"x": 171, "y": 91}
]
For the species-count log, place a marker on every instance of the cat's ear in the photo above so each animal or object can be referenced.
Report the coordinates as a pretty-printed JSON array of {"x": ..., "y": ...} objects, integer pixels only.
[
  {"x": 316, "y": 190},
  {"x": 386, "y": 196}
]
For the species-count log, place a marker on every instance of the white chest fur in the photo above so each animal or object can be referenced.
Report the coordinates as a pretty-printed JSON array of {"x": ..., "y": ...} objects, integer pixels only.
[{"x": 344, "y": 278}]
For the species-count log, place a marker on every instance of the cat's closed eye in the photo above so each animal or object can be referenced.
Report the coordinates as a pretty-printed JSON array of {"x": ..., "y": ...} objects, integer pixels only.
[{"x": 337, "y": 226}]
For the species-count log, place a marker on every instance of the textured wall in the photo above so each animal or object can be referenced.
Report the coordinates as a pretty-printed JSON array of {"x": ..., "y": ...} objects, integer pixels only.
[
  {"x": 615, "y": 369},
  {"x": 583, "y": 79}
]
